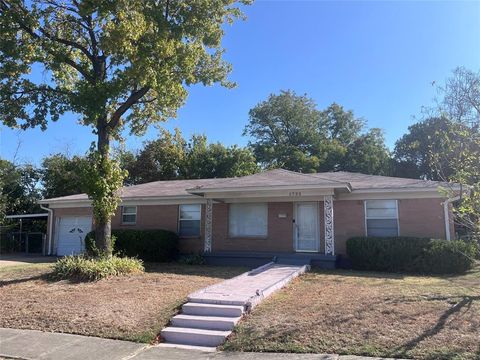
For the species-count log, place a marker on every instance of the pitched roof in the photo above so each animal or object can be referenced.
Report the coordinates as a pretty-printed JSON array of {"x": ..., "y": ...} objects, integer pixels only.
[
  {"x": 270, "y": 178},
  {"x": 164, "y": 188},
  {"x": 360, "y": 181},
  {"x": 276, "y": 177}
]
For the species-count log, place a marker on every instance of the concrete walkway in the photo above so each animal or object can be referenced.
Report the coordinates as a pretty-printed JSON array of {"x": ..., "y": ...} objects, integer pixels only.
[
  {"x": 38, "y": 345},
  {"x": 211, "y": 314},
  {"x": 249, "y": 288}
]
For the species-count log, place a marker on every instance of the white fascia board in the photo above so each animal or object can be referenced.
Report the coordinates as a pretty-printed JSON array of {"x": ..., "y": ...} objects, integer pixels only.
[
  {"x": 272, "y": 195},
  {"x": 393, "y": 193},
  {"x": 164, "y": 200},
  {"x": 272, "y": 199},
  {"x": 243, "y": 189}
]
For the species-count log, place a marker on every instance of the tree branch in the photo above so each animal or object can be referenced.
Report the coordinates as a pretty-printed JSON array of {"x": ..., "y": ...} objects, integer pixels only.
[
  {"x": 122, "y": 109},
  {"x": 4, "y": 6}
]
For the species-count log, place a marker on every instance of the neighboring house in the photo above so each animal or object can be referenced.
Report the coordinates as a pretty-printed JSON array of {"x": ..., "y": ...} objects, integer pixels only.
[{"x": 273, "y": 213}]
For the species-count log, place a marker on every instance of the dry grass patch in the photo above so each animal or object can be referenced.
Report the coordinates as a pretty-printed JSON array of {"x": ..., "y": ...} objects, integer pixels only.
[
  {"x": 370, "y": 314},
  {"x": 134, "y": 307}
]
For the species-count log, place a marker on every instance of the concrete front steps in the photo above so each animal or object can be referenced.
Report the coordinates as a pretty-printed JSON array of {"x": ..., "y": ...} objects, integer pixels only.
[
  {"x": 211, "y": 314},
  {"x": 202, "y": 325}
]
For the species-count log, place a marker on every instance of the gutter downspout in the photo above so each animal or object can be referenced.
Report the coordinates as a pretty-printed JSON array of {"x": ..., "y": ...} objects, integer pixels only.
[
  {"x": 50, "y": 228},
  {"x": 446, "y": 213}
]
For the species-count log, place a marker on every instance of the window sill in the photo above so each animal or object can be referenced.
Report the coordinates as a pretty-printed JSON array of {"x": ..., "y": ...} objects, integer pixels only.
[{"x": 128, "y": 224}]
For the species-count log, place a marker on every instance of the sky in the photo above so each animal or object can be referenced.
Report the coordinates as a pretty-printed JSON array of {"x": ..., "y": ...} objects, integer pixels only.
[{"x": 376, "y": 58}]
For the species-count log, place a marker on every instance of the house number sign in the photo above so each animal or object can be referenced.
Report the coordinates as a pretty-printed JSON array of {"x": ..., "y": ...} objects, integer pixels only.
[{"x": 295, "y": 193}]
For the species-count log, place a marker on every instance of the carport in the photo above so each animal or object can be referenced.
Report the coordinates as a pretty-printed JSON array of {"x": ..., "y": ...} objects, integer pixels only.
[{"x": 24, "y": 239}]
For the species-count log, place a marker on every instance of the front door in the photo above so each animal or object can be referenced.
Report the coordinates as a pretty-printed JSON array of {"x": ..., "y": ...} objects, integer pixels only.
[{"x": 306, "y": 229}]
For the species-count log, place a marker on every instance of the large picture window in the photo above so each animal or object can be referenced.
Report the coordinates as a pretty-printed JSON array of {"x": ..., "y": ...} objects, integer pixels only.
[
  {"x": 189, "y": 220},
  {"x": 129, "y": 215},
  {"x": 247, "y": 220},
  {"x": 381, "y": 217}
]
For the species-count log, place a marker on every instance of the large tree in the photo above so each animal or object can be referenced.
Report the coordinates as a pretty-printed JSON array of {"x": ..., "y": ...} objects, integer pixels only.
[
  {"x": 111, "y": 62},
  {"x": 460, "y": 102},
  {"x": 19, "y": 188},
  {"x": 368, "y": 154},
  {"x": 172, "y": 157},
  {"x": 215, "y": 160},
  {"x": 425, "y": 150},
  {"x": 283, "y": 133},
  {"x": 61, "y": 175},
  {"x": 287, "y": 130}
]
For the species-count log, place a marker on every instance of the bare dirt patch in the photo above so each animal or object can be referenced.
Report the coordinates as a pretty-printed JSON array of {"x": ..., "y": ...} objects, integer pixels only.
[
  {"x": 368, "y": 314},
  {"x": 133, "y": 307}
]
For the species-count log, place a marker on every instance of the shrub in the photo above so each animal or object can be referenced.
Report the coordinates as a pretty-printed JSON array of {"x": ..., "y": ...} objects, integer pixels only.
[
  {"x": 148, "y": 245},
  {"x": 193, "y": 259},
  {"x": 83, "y": 268},
  {"x": 411, "y": 255}
]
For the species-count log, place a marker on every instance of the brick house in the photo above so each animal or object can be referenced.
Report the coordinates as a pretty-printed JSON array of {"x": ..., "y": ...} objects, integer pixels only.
[{"x": 272, "y": 213}]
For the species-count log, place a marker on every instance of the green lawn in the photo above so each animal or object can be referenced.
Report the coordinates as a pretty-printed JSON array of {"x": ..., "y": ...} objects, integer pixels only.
[{"x": 371, "y": 314}]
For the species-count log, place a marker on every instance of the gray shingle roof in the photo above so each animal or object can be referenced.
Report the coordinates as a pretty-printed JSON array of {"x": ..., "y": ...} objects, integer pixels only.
[
  {"x": 277, "y": 177},
  {"x": 362, "y": 181}
]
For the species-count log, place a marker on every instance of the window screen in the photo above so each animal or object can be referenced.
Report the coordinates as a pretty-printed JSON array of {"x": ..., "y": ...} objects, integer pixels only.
[
  {"x": 248, "y": 220},
  {"x": 129, "y": 214},
  {"x": 381, "y": 217},
  {"x": 189, "y": 220}
]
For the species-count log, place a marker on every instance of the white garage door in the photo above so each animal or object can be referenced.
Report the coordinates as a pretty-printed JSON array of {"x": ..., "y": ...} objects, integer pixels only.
[{"x": 71, "y": 234}]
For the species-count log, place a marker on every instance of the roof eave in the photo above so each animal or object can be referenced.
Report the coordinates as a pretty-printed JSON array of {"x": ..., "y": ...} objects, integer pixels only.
[{"x": 201, "y": 191}]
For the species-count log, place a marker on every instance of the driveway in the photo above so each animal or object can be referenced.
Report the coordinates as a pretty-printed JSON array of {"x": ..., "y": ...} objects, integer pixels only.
[{"x": 21, "y": 259}]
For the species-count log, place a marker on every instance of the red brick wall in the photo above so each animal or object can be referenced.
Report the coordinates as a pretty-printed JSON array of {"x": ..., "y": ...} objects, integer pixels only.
[
  {"x": 349, "y": 221},
  {"x": 279, "y": 237},
  {"x": 422, "y": 217},
  {"x": 148, "y": 217},
  {"x": 418, "y": 217}
]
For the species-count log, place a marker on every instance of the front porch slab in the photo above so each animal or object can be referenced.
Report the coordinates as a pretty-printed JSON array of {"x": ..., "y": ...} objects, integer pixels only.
[{"x": 258, "y": 258}]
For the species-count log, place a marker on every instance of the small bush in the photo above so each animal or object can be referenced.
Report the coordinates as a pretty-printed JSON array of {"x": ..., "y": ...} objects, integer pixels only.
[
  {"x": 193, "y": 259},
  {"x": 148, "y": 245},
  {"x": 83, "y": 268},
  {"x": 411, "y": 255}
]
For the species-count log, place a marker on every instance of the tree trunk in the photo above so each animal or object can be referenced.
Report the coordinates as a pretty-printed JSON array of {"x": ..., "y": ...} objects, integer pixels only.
[{"x": 103, "y": 228}]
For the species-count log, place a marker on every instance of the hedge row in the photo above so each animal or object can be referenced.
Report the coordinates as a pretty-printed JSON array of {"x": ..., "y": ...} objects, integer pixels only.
[
  {"x": 412, "y": 255},
  {"x": 148, "y": 245}
]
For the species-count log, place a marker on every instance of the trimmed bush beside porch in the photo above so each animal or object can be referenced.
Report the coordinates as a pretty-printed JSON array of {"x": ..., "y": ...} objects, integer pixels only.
[{"x": 412, "y": 255}]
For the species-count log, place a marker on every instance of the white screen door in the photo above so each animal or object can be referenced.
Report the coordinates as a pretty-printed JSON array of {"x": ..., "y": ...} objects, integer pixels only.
[{"x": 306, "y": 229}]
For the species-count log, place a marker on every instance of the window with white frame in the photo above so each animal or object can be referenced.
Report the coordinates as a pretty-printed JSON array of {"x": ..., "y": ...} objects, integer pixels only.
[
  {"x": 381, "y": 217},
  {"x": 129, "y": 215},
  {"x": 249, "y": 220},
  {"x": 189, "y": 220}
]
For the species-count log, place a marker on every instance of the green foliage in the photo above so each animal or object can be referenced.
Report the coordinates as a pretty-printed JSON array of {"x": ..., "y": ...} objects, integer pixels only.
[
  {"x": 102, "y": 178},
  {"x": 368, "y": 154},
  {"x": 114, "y": 63},
  {"x": 172, "y": 157},
  {"x": 148, "y": 245},
  {"x": 411, "y": 255},
  {"x": 19, "y": 190},
  {"x": 103, "y": 58},
  {"x": 203, "y": 160},
  {"x": 81, "y": 268},
  {"x": 289, "y": 131},
  {"x": 193, "y": 259},
  {"x": 61, "y": 175},
  {"x": 426, "y": 151}
]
